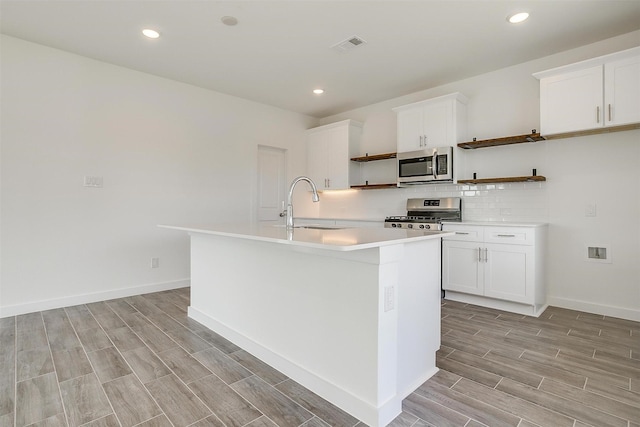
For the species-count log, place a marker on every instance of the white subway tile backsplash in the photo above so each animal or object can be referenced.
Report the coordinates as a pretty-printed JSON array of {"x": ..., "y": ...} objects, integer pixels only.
[{"x": 486, "y": 202}]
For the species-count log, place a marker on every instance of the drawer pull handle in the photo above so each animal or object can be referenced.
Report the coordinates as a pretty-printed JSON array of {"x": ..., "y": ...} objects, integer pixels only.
[
  {"x": 506, "y": 235},
  {"x": 460, "y": 232}
]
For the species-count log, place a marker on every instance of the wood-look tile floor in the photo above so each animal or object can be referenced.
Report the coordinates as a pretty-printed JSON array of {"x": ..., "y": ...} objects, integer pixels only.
[{"x": 140, "y": 361}]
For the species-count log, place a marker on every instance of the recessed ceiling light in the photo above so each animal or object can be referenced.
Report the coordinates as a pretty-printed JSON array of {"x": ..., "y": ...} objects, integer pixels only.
[
  {"x": 152, "y": 34},
  {"x": 318, "y": 91},
  {"x": 229, "y": 20},
  {"x": 516, "y": 18}
]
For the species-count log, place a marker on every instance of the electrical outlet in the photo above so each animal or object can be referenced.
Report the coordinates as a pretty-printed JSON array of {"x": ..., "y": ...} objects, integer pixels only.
[
  {"x": 155, "y": 262},
  {"x": 389, "y": 298},
  {"x": 590, "y": 209}
]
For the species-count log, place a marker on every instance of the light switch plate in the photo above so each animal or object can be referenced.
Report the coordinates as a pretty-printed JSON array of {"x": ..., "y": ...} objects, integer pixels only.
[{"x": 93, "y": 181}]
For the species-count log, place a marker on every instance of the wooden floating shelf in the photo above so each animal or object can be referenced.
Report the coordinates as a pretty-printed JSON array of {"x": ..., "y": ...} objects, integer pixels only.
[
  {"x": 374, "y": 157},
  {"x": 508, "y": 140},
  {"x": 596, "y": 131},
  {"x": 536, "y": 178},
  {"x": 374, "y": 186}
]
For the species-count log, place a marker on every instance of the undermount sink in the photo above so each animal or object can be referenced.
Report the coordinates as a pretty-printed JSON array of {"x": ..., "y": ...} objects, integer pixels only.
[{"x": 314, "y": 227}]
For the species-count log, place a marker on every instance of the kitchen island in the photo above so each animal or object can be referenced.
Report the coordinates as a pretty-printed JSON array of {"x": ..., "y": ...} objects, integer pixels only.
[{"x": 352, "y": 314}]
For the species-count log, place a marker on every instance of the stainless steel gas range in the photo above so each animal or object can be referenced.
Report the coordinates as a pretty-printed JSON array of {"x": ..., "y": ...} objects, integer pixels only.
[{"x": 427, "y": 214}]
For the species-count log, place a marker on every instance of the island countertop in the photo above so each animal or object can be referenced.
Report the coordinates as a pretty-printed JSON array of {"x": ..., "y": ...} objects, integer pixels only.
[{"x": 321, "y": 237}]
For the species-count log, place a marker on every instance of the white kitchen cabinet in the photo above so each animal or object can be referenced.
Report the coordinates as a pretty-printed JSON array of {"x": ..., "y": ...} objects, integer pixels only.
[
  {"x": 436, "y": 122},
  {"x": 594, "y": 94},
  {"x": 329, "y": 150},
  {"x": 622, "y": 91},
  {"x": 495, "y": 266}
]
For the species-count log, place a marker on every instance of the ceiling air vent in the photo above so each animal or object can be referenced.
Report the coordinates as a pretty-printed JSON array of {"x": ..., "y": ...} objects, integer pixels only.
[{"x": 348, "y": 44}]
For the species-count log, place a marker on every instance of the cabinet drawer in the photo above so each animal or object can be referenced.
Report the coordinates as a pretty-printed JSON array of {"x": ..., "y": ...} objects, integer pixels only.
[
  {"x": 509, "y": 235},
  {"x": 465, "y": 233}
]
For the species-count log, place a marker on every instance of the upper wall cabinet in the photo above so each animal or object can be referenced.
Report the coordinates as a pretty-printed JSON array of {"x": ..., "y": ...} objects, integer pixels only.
[
  {"x": 589, "y": 95},
  {"x": 329, "y": 150},
  {"x": 437, "y": 122}
]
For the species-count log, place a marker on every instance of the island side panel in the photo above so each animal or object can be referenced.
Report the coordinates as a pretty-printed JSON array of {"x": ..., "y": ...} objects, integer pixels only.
[
  {"x": 319, "y": 311},
  {"x": 419, "y": 307}
]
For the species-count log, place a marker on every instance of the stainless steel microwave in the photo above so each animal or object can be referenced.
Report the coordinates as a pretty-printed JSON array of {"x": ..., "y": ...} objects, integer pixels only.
[{"x": 425, "y": 166}]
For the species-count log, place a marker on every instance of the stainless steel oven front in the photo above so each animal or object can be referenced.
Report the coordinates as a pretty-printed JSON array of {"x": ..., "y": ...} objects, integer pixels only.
[{"x": 425, "y": 166}]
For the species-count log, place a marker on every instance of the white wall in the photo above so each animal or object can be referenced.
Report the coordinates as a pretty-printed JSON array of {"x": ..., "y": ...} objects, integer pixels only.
[
  {"x": 169, "y": 153},
  {"x": 600, "y": 169}
]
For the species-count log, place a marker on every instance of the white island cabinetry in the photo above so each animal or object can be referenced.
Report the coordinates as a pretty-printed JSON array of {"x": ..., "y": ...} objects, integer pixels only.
[
  {"x": 499, "y": 266},
  {"x": 352, "y": 314},
  {"x": 330, "y": 149},
  {"x": 596, "y": 94}
]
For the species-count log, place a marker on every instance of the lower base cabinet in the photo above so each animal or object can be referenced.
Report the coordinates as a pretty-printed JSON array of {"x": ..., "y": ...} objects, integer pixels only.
[{"x": 500, "y": 267}]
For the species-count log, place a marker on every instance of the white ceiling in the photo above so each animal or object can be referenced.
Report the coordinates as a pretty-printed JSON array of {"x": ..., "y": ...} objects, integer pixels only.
[{"x": 281, "y": 50}]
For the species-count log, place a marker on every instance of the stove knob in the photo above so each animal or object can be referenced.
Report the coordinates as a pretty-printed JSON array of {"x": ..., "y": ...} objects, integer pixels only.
[
  {"x": 427, "y": 226},
  {"x": 421, "y": 225},
  {"x": 393, "y": 225},
  {"x": 399, "y": 225},
  {"x": 409, "y": 225}
]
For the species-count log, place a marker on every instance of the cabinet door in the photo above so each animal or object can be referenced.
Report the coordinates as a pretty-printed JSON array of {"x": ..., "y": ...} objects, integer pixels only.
[
  {"x": 622, "y": 91},
  {"x": 461, "y": 267},
  {"x": 437, "y": 124},
  {"x": 317, "y": 159},
  {"x": 410, "y": 130},
  {"x": 572, "y": 101},
  {"x": 337, "y": 158},
  {"x": 508, "y": 272}
]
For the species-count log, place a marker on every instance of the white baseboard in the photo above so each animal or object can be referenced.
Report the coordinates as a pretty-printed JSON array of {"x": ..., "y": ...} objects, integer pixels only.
[
  {"x": 30, "y": 307},
  {"x": 589, "y": 307},
  {"x": 513, "y": 307}
]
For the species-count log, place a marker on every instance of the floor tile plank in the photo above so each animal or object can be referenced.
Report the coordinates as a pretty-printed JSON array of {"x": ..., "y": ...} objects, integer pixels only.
[
  {"x": 283, "y": 411},
  {"x": 258, "y": 367},
  {"x": 560, "y": 404},
  {"x": 108, "y": 364},
  {"x": 124, "y": 339},
  {"x": 222, "y": 365},
  {"x": 33, "y": 363},
  {"x": 183, "y": 365},
  {"x": 71, "y": 363},
  {"x": 472, "y": 408},
  {"x": 313, "y": 403},
  {"x": 512, "y": 404},
  {"x": 432, "y": 412},
  {"x": 179, "y": 404},
  {"x": 131, "y": 411},
  {"x": 94, "y": 339},
  {"x": 84, "y": 400},
  {"x": 585, "y": 397},
  {"x": 36, "y": 399},
  {"x": 146, "y": 365},
  {"x": 229, "y": 406}
]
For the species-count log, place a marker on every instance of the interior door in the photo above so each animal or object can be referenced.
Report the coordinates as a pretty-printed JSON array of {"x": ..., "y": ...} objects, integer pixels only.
[{"x": 271, "y": 182}]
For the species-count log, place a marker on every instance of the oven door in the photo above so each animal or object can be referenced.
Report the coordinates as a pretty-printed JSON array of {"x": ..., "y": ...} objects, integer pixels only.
[{"x": 425, "y": 166}]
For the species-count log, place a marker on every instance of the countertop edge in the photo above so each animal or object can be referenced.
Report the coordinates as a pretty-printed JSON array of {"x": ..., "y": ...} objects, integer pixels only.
[{"x": 324, "y": 246}]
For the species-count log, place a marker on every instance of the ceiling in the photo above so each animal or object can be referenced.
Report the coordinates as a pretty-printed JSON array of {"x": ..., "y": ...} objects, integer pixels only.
[{"x": 281, "y": 50}]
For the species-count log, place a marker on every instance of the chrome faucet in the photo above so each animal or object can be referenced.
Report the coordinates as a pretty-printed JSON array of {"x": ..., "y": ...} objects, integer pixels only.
[{"x": 314, "y": 197}]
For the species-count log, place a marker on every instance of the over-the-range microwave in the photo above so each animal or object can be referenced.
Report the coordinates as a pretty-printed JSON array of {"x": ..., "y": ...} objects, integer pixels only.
[{"x": 425, "y": 166}]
